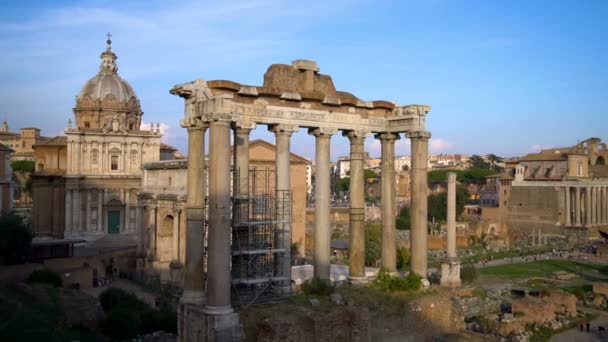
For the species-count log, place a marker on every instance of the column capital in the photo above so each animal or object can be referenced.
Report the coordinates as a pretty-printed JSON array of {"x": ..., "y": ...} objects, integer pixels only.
[
  {"x": 322, "y": 132},
  {"x": 283, "y": 129},
  {"x": 451, "y": 177},
  {"x": 244, "y": 127},
  {"x": 423, "y": 135},
  {"x": 356, "y": 136},
  {"x": 194, "y": 124},
  {"x": 389, "y": 137}
]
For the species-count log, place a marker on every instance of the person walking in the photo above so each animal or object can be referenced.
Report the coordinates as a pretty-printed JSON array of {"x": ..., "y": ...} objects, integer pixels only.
[
  {"x": 588, "y": 324},
  {"x": 580, "y": 325}
]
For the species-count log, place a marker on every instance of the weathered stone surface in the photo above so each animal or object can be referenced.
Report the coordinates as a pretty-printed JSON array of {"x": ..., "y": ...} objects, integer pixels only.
[
  {"x": 439, "y": 311},
  {"x": 474, "y": 306},
  {"x": 564, "y": 303},
  {"x": 600, "y": 288},
  {"x": 344, "y": 325},
  {"x": 533, "y": 310}
]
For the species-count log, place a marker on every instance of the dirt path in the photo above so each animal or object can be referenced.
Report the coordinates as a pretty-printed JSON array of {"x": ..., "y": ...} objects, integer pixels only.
[{"x": 574, "y": 335}]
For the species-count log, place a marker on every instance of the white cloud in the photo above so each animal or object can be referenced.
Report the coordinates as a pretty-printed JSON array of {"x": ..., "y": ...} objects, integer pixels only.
[{"x": 439, "y": 145}]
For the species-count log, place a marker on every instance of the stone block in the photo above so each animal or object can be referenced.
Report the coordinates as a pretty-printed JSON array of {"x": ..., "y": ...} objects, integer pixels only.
[
  {"x": 450, "y": 274},
  {"x": 564, "y": 303},
  {"x": 600, "y": 288},
  {"x": 533, "y": 310}
]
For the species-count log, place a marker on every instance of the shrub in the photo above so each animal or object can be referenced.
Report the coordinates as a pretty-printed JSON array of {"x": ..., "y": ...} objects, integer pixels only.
[
  {"x": 403, "y": 258},
  {"x": 468, "y": 273},
  {"x": 373, "y": 244},
  {"x": 45, "y": 276},
  {"x": 113, "y": 298},
  {"x": 121, "y": 324},
  {"x": 385, "y": 281},
  {"x": 157, "y": 320},
  {"x": 26, "y": 166},
  {"x": 317, "y": 286}
]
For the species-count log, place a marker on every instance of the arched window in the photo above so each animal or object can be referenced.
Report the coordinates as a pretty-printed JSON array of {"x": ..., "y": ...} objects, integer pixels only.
[{"x": 600, "y": 161}]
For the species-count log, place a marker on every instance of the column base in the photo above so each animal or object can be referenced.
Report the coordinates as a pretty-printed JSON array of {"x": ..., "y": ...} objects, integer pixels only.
[
  {"x": 450, "y": 274},
  {"x": 218, "y": 310},
  {"x": 195, "y": 324},
  {"x": 357, "y": 280},
  {"x": 193, "y": 298}
]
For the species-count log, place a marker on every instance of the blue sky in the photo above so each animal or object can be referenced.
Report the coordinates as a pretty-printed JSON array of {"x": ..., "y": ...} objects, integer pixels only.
[{"x": 503, "y": 77}]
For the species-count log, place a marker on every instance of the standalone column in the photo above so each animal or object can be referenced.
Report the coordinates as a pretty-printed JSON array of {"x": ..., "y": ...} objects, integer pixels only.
[
  {"x": 603, "y": 208},
  {"x": 387, "y": 180},
  {"x": 283, "y": 195},
  {"x": 451, "y": 219},
  {"x": 87, "y": 219},
  {"x": 68, "y": 212},
  {"x": 100, "y": 228},
  {"x": 567, "y": 210},
  {"x": 218, "y": 259},
  {"x": 357, "y": 206},
  {"x": 241, "y": 175},
  {"x": 322, "y": 203},
  {"x": 587, "y": 206},
  {"x": 193, "y": 275},
  {"x": 419, "y": 205},
  {"x": 577, "y": 206}
]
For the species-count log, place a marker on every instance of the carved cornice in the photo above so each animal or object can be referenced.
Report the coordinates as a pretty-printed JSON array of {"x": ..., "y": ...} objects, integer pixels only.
[
  {"x": 322, "y": 132},
  {"x": 283, "y": 129},
  {"x": 387, "y": 137},
  {"x": 356, "y": 136},
  {"x": 421, "y": 135}
]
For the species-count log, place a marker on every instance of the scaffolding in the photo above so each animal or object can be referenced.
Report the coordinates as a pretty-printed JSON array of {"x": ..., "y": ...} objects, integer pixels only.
[{"x": 261, "y": 239}]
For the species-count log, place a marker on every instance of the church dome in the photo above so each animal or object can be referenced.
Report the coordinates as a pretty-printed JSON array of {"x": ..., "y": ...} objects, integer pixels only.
[
  {"x": 107, "y": 81},
  {"x": 106, "y": 97}
]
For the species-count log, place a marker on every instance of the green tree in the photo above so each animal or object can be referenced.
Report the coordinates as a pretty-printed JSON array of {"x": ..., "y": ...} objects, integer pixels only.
[
  {"x": 477, "y": 162},
  {"x": 437, "y": 203},
  {"x": 476, "y": 176},
  {"x": 343, "y": 184},
  {"x": 494, "y": 160},
  {"x": 367, "y": 174},
  {"x": 26, "y": 166},
  {"x": 441, "y": 176},
  {"x": 373, "y": 244},
  {"x": 402, "y": 222},
  {"x": 15, "y": 239}
]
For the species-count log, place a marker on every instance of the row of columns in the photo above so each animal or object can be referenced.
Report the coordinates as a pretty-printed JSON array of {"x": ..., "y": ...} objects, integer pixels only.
[
  {"x": 217, "y": 298},
  {"x": 585, "y": 206}
]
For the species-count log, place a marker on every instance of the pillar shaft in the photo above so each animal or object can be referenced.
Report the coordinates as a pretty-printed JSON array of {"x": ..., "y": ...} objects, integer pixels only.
[
  {"x": 419, "y": 205},
  {"x": 587, "y": 206},
  {"x": 218, "y": 265},
  {"x": 322, "y": 204},
  {"x": 387, "y": 180},
  {"x": 603, "y": 207},
  {"x": 87, "y": 225},
  {"x": 282, "y": 135},
  {"x": 357, "y": 206},
  {"x": 241, "y": 175},
  {"x": 68, "y": 211},
  {"x": 76, "y": 211},
  {"x": 577, "y": 206},
  {"x": 193, "y": 275},
  {"x": 567, "y": 210},
  {"x": 451, "y": 219}
]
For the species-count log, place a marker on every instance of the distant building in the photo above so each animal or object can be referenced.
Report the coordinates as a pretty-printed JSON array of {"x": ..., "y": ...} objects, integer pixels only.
[
  {"x": 6, "y": 180},
  {"x": 560, "y": 190},
  {"x": 21, "y": 142}
]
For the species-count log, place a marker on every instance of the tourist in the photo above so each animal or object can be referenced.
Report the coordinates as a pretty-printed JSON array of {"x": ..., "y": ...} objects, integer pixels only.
[
  {"x": 588, "y": 324},
  {"x": 580, "y": 325}
]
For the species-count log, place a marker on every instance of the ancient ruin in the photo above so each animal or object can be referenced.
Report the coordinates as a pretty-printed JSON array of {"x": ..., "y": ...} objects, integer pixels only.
[{"x": 292, "y": 97}]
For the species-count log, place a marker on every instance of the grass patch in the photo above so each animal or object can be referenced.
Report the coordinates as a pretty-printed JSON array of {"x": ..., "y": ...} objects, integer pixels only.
[
  {"x": 539, "y": 283},
  {"x": 544, "y": 268}
]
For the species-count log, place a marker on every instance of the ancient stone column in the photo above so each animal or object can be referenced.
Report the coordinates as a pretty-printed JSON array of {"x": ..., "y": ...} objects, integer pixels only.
[
  {"x": 282, "y": 135},
  {"x": 176, "y": 236},
  {"x": 68, "y": 212},
  {"x": 241, "y": 167},
  {"x": 322, "y": 203},
  {"x": 567, "y": 210},
  {"x": 387, "y": 183},
  {"x": 451, "y": 219},
  {"x": 419, "y": 205},
  {"x": 219, "y": 253},
  {"x": 357, "y": 206},
  {"x": 193, "y": 272},
  {"x": 577, "y": 206},
  {"x": 587, "y": 207}
]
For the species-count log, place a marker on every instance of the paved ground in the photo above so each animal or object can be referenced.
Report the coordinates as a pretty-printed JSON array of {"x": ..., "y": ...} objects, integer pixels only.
[
  {"x": 126, "y": 285},
  {"x": 574, "y": 335}
]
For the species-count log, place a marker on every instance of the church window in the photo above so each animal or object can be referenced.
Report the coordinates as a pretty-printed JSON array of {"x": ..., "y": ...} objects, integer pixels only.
[
  {"x": 114, "y": 163},
  {"x": 579, "y": 169},
  {"x": 40, "y": 166}
]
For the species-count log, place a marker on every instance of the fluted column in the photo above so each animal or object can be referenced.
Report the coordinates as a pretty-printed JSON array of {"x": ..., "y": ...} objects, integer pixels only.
[
  {"x": 322, "y": 202},
  {"x": 68, "y": 212},
  {"x": 87, "y": 225},
  {"x": 419, "y": 205},
  {"x": 577, "y": 206},
  {"x": 587, "y": 207},
  {"x": 193, "y": 276},
  {"x": 451, "y": 215},
  {"x": 567, "y": 210},
  {"x": 218, "y": 260},
  {"x": 282, "y": 135},
  {"x": 387, "y": 180},
  {"x": 357, "y": 205}
]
